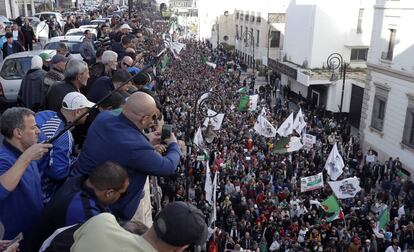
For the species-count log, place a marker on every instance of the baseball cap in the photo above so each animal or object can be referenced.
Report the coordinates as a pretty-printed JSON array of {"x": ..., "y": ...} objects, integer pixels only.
[
  {"x": 180, "y": 224},
  {"x": 76, "y": 100},
  {"x": 45, "y": 56},
  {"x": 58, "y": 58}
]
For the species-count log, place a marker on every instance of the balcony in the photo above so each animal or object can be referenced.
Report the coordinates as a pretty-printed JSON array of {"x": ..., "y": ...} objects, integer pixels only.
[{"x": 387, "y": 55}]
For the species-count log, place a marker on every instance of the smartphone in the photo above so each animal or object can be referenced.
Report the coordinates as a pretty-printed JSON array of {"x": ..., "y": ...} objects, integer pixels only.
[
  {"x": 16, "y": 239},
  {"x": 166, "y": 132}
]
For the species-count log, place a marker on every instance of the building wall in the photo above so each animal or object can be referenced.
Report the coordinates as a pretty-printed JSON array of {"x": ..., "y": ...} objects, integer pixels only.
[{"x": 397, "y": 74}]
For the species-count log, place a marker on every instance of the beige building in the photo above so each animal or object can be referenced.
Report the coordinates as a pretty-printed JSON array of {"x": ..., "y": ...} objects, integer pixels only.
[{"x": 15, "y": 8}]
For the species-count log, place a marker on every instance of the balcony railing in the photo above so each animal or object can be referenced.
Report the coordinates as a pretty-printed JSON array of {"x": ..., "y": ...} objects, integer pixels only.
[{"x": 386, "y": 55}]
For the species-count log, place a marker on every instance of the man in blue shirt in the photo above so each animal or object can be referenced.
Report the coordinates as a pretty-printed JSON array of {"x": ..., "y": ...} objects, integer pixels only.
[
  {"x": 55, "y": 166},
  {"x": 20, "y": 191},
  {"x": 121, "y": 139}
]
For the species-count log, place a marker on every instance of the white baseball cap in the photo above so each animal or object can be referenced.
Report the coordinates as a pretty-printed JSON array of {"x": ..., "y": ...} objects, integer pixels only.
[
  {"x": 76, "y": 100},
  {"x": 125, "y": 26}
]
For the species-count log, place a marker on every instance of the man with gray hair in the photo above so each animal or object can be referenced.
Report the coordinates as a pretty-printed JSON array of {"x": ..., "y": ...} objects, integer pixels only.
[
  {"x": 76, "y": 76},
  {"x": 106, "y": 67},
  {"x": 20, "y": 191}
]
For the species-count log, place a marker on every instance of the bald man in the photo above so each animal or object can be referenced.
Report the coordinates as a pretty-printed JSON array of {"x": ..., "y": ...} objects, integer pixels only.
[
  {"x": 122, "y": 139},
  {"x": 127, "y": 62}
]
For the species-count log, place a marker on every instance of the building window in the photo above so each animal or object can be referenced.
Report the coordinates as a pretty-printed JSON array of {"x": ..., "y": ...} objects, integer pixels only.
[
  {"x": 237, "y": 32},
  {"x": 259, "y": 17},
  {"x": 246, "y": 17},
  {"x": 241, "y": 15},
  {"x": 237, "y": 15},
  {"x": 252, "y": 17},
  {"x": 380, "y": 105},
  {"x": 391, "y": 43},
  {"x": 408, "y": 135},
  {"x": 274, "y": 39},
  {"x": 257, "y": 37},
  {"x": 241, "y": 32},
  {"x": 359, "y": 54},
  {"x": 360, "y": 16},
  {"x": 245, "y": 34}
]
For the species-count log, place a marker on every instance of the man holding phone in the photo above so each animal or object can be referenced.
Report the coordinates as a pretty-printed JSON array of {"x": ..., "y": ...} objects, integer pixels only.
[
  {"x": 20, "y": 190},
  {"x": 121, "y": 139}
]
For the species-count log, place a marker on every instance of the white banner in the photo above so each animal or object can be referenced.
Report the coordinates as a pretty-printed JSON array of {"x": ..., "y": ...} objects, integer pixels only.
[
  {"x": 264, "y": 128},
  {"x": 216, "y": 121},
  {"x": 334, "y": 164},
  {"x": 311, "y": 183},
  {"x": 346, "y": 188}
]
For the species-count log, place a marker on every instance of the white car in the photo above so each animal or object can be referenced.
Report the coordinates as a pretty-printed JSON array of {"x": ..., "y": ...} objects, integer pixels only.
[
  {"x": 80, "y": 31},
  {"x": 99, "y": 21},
  {"x": 12, "y": 70},
  {"x": 55, "y": 15},
  {"x": 73, "y": 44}
]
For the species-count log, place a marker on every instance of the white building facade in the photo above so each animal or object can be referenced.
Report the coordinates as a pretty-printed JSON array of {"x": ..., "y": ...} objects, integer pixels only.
[
  {"x": 387, "y": 121},
  {"x": 314, "y": 30}
]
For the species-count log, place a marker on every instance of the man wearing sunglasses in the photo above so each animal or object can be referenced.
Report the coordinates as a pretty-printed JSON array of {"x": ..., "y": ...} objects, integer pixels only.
[{"x": 122, "y": 139}]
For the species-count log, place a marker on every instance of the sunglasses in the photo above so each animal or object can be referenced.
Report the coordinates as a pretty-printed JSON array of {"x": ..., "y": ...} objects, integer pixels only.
[{"x": 125, "y": 64}]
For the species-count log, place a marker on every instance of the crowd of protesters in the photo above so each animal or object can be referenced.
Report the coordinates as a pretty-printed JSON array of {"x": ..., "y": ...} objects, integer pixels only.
[{"x": 103, "y": 164}]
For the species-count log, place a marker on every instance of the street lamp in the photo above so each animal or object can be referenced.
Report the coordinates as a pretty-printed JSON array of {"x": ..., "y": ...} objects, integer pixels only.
[
  {"x": 336, "y": 61},
  {"x": 249, "y": 41},
  {"x": 204, "y": 101}
]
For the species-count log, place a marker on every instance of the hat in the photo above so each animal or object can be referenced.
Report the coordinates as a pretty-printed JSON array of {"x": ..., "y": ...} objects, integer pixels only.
[
  {"x": 180, "y": 224},
  {"x": 45, "y": 56},
  {"x": 125, "y": 26},
  {"x": 58, "y": 58},
  {"x": 76, "y": 100},
  {"x": 37, "y": 62}
]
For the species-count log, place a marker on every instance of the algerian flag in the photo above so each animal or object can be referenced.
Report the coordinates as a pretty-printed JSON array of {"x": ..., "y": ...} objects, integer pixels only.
[
  {"x": 208, "y": 186},
  {"x": 311, "y": 183},
  {"x": 383, "y": 219},
  {"x": 216, "y": 121},
  {"x": 253, "y": 99},
  {"x": 287, "y": 144},
  {"x": 334, "y": 164},
  {"x": 346, "y": 188},
  {"x": 243, "y": 90},
  {"x": 264, "y": 128},
  {"x": 173, "y": 27},
  {"x": 339, "y": 215},
  {"x": 244, "y": 103},
  {"x": 198, "y": 139},
  {"x": 213, "y": 65},
  {"x": 330, "y": 205},
  {"x": 315, "y": 202},
  {"x": 299, "y": 122},
  {"x": 165, "y": 61},
  {"x": 286, "y": 128}
]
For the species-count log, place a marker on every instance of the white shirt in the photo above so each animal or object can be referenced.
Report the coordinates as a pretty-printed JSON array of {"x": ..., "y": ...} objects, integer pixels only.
[{"x": 391, "y": 249}]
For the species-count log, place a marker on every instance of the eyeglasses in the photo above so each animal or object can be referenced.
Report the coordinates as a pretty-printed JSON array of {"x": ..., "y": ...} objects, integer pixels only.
[{"x": 125, "y": 64}]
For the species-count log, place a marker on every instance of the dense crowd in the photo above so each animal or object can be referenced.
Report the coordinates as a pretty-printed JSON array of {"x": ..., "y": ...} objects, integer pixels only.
[{"x": 102, "y": 165}]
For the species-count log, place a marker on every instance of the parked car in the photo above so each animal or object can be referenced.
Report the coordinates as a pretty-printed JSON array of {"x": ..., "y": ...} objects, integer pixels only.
[
  {"x": 55, "y": 15},
  {"x": 73, "y": 44},
  {"x": 12, "y": 70},
  {"x": 100, "y": 21},
  {"x": 80, "y": 31}
]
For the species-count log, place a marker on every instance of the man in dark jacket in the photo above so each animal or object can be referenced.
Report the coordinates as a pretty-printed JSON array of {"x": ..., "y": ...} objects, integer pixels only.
[
  {"x": 11, "y": 46},
  {"x": 28, "y": 34},
  {"x": 81, "y": 198},
  {"x": 120, "y": 48},
  {"x": 31, "y": 93},
  {"x": 76, "y": 76},
  {"x": 87, "y": 49},
  {"x": 58, "y": 64}
]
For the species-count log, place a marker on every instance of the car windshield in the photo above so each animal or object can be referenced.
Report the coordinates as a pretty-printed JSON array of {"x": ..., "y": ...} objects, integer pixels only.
[
  {"x": 73, "y": 47},
  {"x": 16, "y": 68}
]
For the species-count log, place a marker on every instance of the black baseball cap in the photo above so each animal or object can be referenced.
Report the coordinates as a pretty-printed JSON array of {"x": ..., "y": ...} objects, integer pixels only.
[{"x": 180, "y": 224}]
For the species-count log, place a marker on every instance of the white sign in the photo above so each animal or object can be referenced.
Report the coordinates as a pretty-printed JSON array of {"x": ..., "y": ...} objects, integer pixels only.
[
  {"x": 309, "y": 140},
  {"x": 311, "y": 183},
  {"x": 346, "y": 188}
]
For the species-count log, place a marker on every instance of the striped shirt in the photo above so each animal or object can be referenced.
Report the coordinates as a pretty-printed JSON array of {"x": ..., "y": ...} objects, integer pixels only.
[{"x": 55, "y": 166}]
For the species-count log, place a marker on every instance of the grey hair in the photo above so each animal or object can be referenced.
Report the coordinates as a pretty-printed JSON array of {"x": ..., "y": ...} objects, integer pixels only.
[
  {"x": 13, "y": 118},
  {"x": 75, "y": 67},
  {"x": 109, "y": 56}
]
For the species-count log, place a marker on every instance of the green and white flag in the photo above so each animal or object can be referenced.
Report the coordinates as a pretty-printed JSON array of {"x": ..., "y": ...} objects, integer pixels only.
[
  {"x": 243, "y": 90},
  {"x": 311, "y": 183},
  {"x": 165, "y": 61},
  {"x": 253, "y": 99},
  {"x": 330, "y": 205},
  {"x": 287, "y": 144},
  {"x": 384, "y": 218},
  {"x": 244, "y": 103},
  {"x": 338, "y": 215}
]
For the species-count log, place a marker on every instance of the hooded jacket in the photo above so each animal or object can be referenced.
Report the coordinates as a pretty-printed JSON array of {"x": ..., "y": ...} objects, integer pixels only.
[{"x": 31, "y": 94}]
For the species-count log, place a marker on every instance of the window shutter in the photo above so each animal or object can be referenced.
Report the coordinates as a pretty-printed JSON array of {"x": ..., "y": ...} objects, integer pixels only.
[
  {"x": 408, "y": 126},
  {"x": 375, "y": 111}
]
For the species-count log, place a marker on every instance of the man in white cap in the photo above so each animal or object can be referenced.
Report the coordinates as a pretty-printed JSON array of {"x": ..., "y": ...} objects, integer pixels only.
[{"x": 56, "y": 164}]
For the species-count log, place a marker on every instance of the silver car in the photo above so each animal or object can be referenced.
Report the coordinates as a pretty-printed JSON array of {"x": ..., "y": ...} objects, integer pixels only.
[{"x": 12, "y": 70}]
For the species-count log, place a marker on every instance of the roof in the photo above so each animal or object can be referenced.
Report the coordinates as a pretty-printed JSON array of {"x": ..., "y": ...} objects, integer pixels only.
[
  {"x": 70, "y": 38},
  {"x": 30, "y": 53}
]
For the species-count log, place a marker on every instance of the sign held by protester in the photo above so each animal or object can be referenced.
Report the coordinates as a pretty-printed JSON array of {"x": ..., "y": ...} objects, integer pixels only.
[
  {"x": 311, "y": 183},
  {"x": 309, "y": 140}
]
